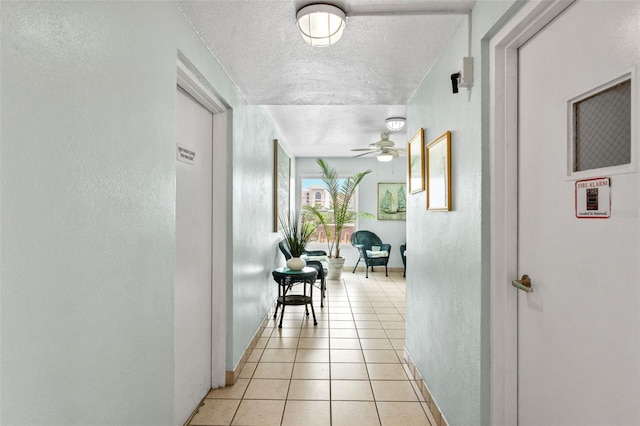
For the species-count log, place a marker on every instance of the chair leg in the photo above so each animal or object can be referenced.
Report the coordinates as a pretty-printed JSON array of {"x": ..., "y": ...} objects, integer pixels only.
[
  {"x": 313, "y": 311},
  {"x": 281, "y": 315},
  {"x": 367, "y": 271},
  {"x": 385, "y": 271},
  {"x": 355, "y": 267}
]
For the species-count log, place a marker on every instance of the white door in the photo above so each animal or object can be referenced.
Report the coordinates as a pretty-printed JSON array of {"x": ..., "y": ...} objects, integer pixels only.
[
  {"x": 193, "y": 353},
  {"x": 579, "y": 330}
]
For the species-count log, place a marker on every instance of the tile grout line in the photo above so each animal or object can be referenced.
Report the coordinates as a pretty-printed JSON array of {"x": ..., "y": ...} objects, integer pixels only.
[
  {"x": 375, "y": 401},
  {"x": 286, "y": 399},
  {"x": 330, "y": 369}
]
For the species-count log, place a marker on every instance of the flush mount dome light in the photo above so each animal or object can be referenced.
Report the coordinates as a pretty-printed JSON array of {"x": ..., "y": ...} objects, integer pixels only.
[
  {"x": 321, "y": 25},
  {"x": 395, "y": 124}
]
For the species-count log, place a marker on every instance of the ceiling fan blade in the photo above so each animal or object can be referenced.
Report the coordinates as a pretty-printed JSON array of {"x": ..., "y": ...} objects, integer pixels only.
[
  {"x": 401, "y": 149},
  {"x": 364, "y": 153},
  {"x": 394, "y": 152},
  {"x": 365, "y": 149}
]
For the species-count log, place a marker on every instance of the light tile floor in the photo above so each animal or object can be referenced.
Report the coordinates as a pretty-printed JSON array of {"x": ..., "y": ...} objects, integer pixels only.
[{"x": 349, "y": 369}]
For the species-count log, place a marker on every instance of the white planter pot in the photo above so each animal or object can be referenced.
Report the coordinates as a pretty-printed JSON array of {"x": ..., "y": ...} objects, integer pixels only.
[
  {"x": 296, "y": 264},
  {"x": 336, "y": 264}
]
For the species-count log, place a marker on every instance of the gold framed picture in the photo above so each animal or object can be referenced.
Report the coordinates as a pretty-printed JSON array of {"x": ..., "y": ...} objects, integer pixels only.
[
  {"x": 438, "y": 173},
  {"x": 415, "y": 162}
]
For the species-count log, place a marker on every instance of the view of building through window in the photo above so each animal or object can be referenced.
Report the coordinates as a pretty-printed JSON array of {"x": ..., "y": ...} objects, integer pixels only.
[{"x": 314, "y": 193}]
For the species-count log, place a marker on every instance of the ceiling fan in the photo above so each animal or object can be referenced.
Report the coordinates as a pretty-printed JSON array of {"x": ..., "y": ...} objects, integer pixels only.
[{"x": 384, "y": 148}]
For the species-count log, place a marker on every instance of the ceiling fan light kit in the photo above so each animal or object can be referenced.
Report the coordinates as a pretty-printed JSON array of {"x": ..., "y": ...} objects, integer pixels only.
[
  {"x": 321, "y": 25},
  {"x": 384, "y": 157},
  {"x": 395, "y": 124}
]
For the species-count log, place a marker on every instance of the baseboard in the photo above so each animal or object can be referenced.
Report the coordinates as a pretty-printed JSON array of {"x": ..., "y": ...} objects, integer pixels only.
[
  {"x": 232, "y": 376},
  {"x": 436, "y": 418}
]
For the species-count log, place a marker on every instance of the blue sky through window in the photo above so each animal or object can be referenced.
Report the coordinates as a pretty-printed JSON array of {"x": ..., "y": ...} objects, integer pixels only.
[{"x": 309, "y": 182}]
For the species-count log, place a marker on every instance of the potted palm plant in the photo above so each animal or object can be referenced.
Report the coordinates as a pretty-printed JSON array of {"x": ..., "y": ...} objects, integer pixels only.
[
  {"x": 296, "y": 235},
  {"x": 341, "y": 191}
]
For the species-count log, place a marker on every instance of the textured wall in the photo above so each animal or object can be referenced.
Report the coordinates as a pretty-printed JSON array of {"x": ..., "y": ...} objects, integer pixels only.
[
  {"x": 88, "y": 196},
  {"x": 255, "y": 248},
  {"x": 447, "y": 335},
  {"x": 88, "y": 210}
]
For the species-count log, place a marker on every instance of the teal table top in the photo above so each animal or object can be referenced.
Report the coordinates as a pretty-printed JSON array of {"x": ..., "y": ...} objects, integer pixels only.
[{"x": 305, "y": 270}]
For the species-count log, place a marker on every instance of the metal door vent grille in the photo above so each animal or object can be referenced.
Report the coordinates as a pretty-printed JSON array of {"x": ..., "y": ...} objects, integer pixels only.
[{"x": 602, "y": 128}]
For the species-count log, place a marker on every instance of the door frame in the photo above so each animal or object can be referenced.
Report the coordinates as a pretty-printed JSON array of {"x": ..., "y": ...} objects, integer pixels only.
[
  {"x": 194, "y": 83},
  {"x": 503, "y": 154}
]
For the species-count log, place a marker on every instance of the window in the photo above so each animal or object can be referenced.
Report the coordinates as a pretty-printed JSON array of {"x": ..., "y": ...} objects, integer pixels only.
[
  {"x": 315, "y": 194},
  {"x": 601, "y": 123}
]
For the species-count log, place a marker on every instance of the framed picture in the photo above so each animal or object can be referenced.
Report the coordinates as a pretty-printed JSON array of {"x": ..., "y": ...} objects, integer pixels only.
[
  {"x": 438, "y": 173},
  {"x": 415, "y": 159},
  {"x": 281, "y": 180},
  {"x": 392, "y": 201}
]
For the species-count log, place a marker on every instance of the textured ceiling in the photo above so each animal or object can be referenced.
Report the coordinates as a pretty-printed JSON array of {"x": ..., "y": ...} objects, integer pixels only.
[{"x": 326, "y": 101}]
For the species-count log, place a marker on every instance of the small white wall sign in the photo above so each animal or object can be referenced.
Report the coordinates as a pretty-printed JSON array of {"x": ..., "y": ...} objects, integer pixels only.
[
  {"x": 186, "y": 155},
  {"x": 593, "y": 198}
]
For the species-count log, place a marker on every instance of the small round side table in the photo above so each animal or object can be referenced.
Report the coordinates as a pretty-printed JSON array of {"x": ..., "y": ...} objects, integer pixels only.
[{"x": 286, "y": 279}]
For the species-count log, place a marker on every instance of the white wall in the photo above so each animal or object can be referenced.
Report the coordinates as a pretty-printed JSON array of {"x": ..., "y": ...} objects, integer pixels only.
[
  {"x": 87, "y": 236},
  {"x": 255, "y": 250},
  {"x": 447, "y": 281},
  {"x": 389, "y": 231}
]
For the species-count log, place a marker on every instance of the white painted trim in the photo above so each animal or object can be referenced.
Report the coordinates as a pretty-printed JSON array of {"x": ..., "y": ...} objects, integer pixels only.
[
  {"x": 190, "y": 81},
  {"x": 221, "y": 245},
  {"x": 533, "y": 17}
]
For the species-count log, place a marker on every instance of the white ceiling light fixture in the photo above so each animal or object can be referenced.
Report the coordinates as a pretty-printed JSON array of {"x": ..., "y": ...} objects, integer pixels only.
[
  {"x": 395, "y": 124},
  {"x": 384, "y": 157},
  {"x": 321, "y": 25}
]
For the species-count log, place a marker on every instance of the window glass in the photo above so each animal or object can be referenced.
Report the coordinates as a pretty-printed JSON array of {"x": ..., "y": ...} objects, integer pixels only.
[
  {"x": 315, "y": 194},
  {"x": 602, "y": 128}
]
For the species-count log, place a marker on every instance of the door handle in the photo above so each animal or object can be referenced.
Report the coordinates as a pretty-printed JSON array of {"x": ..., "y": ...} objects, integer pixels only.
[{"x": 523, "y": 284}]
